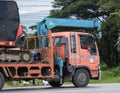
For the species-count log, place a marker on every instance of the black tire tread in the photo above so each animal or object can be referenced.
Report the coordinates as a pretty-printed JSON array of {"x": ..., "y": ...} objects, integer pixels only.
[
  {"x": 55, "y": 84},
  {"x": 75, "y": 78}
]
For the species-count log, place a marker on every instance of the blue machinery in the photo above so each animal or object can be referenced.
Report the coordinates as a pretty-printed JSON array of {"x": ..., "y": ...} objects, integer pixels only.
[{"x": 48, "y": 23}]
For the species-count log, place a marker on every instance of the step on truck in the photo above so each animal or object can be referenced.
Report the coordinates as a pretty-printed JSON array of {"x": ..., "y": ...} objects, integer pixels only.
[{"x": 64, "y": 56}]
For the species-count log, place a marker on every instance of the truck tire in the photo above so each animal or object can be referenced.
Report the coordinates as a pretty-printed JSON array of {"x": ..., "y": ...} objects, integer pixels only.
[
  {"x": 55, "y": 83},
  {"x": 81, "y": 78},
  {"x": 2, "y": 81}
]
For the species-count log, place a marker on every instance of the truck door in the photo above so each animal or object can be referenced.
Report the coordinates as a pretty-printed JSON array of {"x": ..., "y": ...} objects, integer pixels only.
[
  {"x": 88, "y": 52},
  {"x": 74, "y": 53}
]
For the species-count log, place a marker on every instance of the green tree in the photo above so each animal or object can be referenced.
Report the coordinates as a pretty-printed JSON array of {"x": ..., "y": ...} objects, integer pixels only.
[
  {"x": 109, "y": 49},
  {"x": 33, "y": 27},
  {"x": 84, "y": 9},
  {"x": 118, "y": 24},
  {"x": 79, "y": 8},
  {"x": 24, "y": 29},
  {"x": 109, "y": 6}
]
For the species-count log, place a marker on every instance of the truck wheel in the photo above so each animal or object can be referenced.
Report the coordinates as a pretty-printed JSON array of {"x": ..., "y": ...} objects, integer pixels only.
[
  {"x": 2, "y": 81},
  {"x": 55, "y": 83},
  {"x": 81, "y": 78}
]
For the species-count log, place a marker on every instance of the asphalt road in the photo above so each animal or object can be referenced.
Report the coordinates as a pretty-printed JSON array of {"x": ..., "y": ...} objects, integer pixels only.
[{"x": 91, "y": 88}]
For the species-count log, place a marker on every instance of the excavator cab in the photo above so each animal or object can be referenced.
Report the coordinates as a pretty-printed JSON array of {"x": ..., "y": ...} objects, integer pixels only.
[{"x": 11, "y": 34}]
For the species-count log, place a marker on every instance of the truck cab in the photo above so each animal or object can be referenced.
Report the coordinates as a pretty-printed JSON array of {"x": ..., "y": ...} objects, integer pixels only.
[{"x": 79, "y": 53}]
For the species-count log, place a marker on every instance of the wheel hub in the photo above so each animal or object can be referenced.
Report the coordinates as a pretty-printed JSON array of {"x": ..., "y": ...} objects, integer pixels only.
[{"x": 82, "y": 77}]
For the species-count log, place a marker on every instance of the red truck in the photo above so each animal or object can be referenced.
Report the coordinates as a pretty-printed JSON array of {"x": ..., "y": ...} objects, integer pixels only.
[{"x": 56, "y": 57}]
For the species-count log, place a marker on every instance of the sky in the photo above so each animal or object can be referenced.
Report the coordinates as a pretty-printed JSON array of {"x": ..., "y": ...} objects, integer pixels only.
[{"x": 31, "y": 11}]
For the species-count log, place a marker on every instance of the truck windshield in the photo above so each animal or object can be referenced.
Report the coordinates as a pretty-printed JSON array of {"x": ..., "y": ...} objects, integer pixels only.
[{"x": 87, "y": 41}]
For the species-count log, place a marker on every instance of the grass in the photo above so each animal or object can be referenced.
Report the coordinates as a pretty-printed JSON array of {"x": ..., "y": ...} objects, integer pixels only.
[
  {"x": 21, "y": 84},
  {"x": 109, "y": 76},
  {"x": 108, "y": 80}
]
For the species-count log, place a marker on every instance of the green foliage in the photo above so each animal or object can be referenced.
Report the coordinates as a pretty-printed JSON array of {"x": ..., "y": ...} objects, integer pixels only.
[
  {"x": 103, "y": 66},
  {"x": 84, "y": 9},
  {"x": 31, "y": 41},
  {"x": 33, "y": 27},
  {"x": 20, "y": 83},
  {"x": 109, "y": 76},
  {"x": 117, "y": 14},
  {"x": 11, "y": 84},
  {"x": 116, "y": 72},
  {"x": 109, "y": 5},
  {"x": 111, "y": 73},
  {"x": 109, "y": 49},
  {"x": 118, "y": 44},
  {"x": 78, "y": 8}
]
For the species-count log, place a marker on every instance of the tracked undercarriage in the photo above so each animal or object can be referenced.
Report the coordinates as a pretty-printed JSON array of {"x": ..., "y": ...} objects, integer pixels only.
[{"x": 15, "y": 55}]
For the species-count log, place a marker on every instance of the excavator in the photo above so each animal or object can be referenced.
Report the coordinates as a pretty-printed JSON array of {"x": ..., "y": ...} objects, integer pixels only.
[{"x": 12, "y": 36}]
